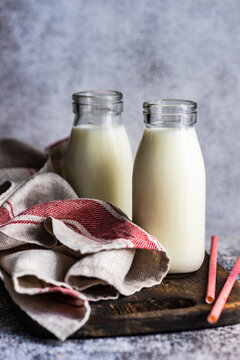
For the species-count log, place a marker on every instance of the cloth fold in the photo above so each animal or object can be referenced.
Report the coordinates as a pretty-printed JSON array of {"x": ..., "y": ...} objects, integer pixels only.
[{"x": 58, "y": 252}]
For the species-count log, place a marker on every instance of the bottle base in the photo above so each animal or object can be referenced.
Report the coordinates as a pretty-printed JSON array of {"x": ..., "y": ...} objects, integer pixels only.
[{"x": 180, "y": 275}]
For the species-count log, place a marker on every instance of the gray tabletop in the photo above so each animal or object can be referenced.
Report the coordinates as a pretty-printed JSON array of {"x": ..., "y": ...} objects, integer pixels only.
[{"x": 218, "y": 343}]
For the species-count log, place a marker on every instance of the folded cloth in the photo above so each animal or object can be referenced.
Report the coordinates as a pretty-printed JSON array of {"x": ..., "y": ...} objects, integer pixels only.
[{"x": 58, "y": 252}]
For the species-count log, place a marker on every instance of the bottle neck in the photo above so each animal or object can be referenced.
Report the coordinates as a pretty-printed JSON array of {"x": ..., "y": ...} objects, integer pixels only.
[
  {"x": 98, "y": 108},
  {"x": 169, "y": 121},
  {"x": 103, "y": 119},
  {"x": 170, "y": 113}
]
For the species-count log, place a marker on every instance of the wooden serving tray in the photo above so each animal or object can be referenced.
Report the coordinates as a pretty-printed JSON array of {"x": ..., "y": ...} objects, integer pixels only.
[{"x": 176, "y": 304}]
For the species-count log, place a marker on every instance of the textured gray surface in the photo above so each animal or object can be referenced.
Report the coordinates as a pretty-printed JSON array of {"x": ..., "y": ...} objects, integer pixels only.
[
  {"x": 184, "y": 49},
  {"x": 219, "y": 343}
]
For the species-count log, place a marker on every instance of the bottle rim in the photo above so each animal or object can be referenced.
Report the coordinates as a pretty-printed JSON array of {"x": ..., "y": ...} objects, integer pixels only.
[
  {"x": 97, "y": 97},
  {"x": 169, "y": 106}
]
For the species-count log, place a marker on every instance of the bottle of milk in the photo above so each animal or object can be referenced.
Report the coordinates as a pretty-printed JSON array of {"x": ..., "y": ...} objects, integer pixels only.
[
  {"x": 99, "y": 159},
  {"x": 169, "y": 182}
]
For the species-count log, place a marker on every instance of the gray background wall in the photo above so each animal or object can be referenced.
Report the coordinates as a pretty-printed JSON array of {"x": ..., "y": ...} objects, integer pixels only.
[{"x": 183, "y": 49}]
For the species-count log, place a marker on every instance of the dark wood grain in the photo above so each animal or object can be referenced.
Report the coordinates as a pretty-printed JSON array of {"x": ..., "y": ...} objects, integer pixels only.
[{"x": 177, "y": 304}]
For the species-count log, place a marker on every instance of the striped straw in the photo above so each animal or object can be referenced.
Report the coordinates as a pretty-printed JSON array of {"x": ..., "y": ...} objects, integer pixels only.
[
  {"x": 210, "y": 297},
  {"x": 223, "y": 296}
]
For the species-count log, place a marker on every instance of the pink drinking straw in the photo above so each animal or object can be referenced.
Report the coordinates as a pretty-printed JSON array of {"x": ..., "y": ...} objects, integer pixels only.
[
  {"x": 222, "y": 298},
  {"x": 210, "y": 297}
]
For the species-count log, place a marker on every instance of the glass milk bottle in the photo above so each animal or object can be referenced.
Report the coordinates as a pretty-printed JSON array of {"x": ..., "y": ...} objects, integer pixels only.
[
  {"x": 99, "y": 159},
  {"x": 169, "y": 182}
]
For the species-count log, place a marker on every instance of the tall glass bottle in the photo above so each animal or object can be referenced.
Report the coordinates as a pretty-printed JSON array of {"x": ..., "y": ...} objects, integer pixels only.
[
  {"x": 169, "y": 182},
  {"x": 99, "y": 159}
]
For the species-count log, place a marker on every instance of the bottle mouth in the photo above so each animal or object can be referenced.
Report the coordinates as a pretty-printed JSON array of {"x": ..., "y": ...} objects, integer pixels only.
[
  {"x": 169, "y": 106},
  {"x": 97, "y": 97}
]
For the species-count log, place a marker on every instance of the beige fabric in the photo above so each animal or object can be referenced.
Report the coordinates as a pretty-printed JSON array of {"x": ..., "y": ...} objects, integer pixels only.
[
  {"x": 58, "y": 317},
  {"x": 51, "y": 261}
]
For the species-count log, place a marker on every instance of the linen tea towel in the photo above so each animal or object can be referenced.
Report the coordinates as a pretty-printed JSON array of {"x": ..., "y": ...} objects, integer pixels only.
[{"x": 58, "y": 252}]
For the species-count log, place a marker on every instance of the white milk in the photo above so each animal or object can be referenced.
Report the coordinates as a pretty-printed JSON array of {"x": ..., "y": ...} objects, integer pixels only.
[
  {"x": 99, "y": 164},
  {"x": 169, "y": 194}
]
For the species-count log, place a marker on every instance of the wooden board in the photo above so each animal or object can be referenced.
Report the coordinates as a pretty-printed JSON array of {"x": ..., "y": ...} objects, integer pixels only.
[{"x": 177, "y": 304}]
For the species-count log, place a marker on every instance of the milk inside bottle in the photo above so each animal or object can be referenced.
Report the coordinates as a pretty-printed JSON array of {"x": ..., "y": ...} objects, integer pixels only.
[
  {"x": 99, "y": 160},
  {"x": 169, "y": 182}
]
